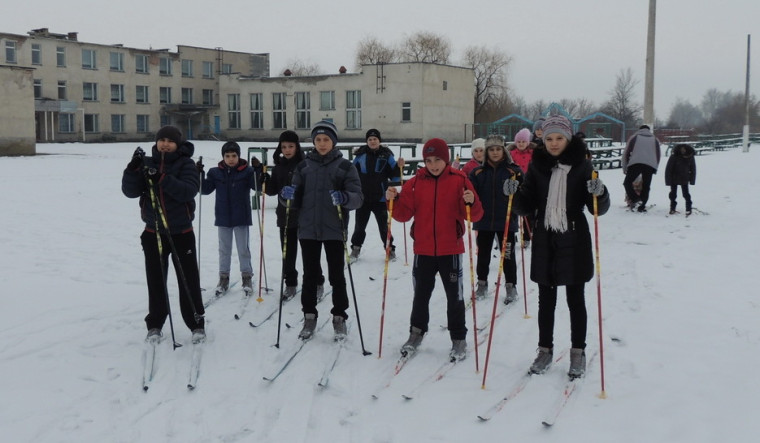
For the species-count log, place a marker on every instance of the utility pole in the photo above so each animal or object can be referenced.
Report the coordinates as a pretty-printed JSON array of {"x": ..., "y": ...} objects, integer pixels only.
[
  {"x": 745, "y": 131},
  {"x": 649, "y": 76}
]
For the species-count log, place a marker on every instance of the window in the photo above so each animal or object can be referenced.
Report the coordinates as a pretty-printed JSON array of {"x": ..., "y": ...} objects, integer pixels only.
[
  {"x": 117, "y": 122},
  {"x": 37, "y": 88},
  {"x": 233, "y": 110},
  {"x": 326, "y": 100},
  {"x": 141, "y": 64},
  {"x": 66, "y": 122},
  {"x": 36, "y": 54},
  {"x": 117, "y": 61},
  {"x": 226, "y": 68},
  {"x": 208, "y": 69},
  {"x": 353, "y": 109},
  {"x": 89, "y": 92},
  {"x": 91, "y": 123},
  {"x": 88, "y": 59},
  {"x": 164, "y": 95},
  {"x": 117, "y": 93},
  {"x": 445, "y": 85},
  {"x": 142, "y": 123},
  {"x": 257, "y": 111},
  {"x": 187, "y": 68},
  {"x": 141, "y": 94},
  {"x": 10, "y": 51},
  {"x": 60, "y": 57},
  {"x": 62, "y": 93},
  {"x": 406, "y": 112},
  {"x": 187, "y": 96},
  {"x": 303, "y": 112},
  {"x": 165, "y": 66},
  {"x": 279, "y": 118},
  {"x": 208, "y": 97}
]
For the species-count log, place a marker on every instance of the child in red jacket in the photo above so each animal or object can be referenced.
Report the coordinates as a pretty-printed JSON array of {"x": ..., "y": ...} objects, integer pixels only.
[{"x": 436, "y": 198}]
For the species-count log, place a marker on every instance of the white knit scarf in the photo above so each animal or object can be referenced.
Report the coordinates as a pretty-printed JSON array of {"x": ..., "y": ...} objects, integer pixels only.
[{"x": 555, "y": 218}]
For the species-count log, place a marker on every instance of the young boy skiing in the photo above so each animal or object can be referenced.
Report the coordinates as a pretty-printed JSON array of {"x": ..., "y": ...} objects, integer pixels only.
[
  {"x": 557, "y": 187},
  {"x": 324, "y": 187},
  {"x": 488, "y": 181},
  {"x": 286, "y": 158},
  {"x": 166, "y": 183},
  {"x": 232, "y": 179},
  {"x": 377, "y": 168},
  {"x": 436, "y": 198},
  {"x": 681, "y": 170}
]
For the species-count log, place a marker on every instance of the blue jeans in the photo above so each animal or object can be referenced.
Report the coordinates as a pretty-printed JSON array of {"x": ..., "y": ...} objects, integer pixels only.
[{"x": 241, "y": 243}]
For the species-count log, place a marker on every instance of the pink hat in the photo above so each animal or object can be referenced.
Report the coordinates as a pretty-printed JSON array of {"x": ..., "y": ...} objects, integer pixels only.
[
  {"x": 523, "y": 135},
  {"x": 436, "y": 147}
]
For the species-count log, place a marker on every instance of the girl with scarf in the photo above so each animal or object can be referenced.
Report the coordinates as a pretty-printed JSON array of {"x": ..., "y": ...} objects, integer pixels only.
[{"x": 557, "y": 187}]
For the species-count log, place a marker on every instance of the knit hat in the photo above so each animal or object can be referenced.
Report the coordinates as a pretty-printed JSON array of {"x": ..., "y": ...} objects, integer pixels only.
[
  {"x": 494, "y": 140},
  {"x": 436, "y": 147},
  {"x": 231, "y": 147},
  {"x": 478, "y": 143},
  {"x": 523, "y": 135},
  {"x": 325, "y": 127},
  {"x": 373, "y": 133},
  {"x": 170, "y": 132},
  {"x": 557, "y": 124},
  {"x": 538, "y": 123},
  {"x": 289, "y": 136}
]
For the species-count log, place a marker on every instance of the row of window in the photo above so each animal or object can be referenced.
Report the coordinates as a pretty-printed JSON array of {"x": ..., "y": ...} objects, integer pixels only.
[
  {"x": 116, "y": 61},
  {"x": 66, "y": 123},
  {"x": 90, "y": 93}
]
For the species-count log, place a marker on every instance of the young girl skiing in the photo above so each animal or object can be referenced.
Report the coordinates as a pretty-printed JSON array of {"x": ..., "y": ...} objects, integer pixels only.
[
  {"x": 436, "y": 197},
  {"x": 681, "y": 170},
  {"x": 324, "y": 187},
  {"x": 522, "y": 153},
  {"x": 172, "y": 177},
  {"x": 558, "y": 186},
  {"x": 488, "y": 181}
]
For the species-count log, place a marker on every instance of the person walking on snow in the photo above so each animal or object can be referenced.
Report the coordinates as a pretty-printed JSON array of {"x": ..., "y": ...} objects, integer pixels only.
[
  {"x": 436, "y": 198},
  {"x": 641, "y": 156},
  {"x": 325, "y": 186},
  {"x": 175, "y": 179},
  {"x": 377, "y": 168},
  {"x": 557, "y": 187},
  {"x": 681, "y": 170}
]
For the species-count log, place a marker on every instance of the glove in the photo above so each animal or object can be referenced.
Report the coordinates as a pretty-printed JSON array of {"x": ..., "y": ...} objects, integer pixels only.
[
  {"x": 137, "y": 159},
  {"x": 199, "y": 164},
  {"x": 151, "y": 173},
  {"x": 510, "y": 187},
  {"x": 288, "y": 192},
  {"x": 595, "y": 186},
  {"x": 339, "y": 198}
]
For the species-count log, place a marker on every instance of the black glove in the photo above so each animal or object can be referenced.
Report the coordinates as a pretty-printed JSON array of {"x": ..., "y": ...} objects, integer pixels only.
[
  {"x": 199, "y": 165},
  {"x": 137, "y": 159}
]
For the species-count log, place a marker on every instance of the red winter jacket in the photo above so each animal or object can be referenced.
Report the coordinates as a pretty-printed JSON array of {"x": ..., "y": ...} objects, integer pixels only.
[
  {"x": 522, "y": 158},
  {"x": 438, "y": 209}
]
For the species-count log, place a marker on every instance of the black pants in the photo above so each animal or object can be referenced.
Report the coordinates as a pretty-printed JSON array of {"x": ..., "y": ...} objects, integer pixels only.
[
  {"x": 423, "y": 274},
  {"x": 289, "y": 242},
  {"x": 547, "y": 301},
  {"x": 362, "y": 218},
  {"x": 190, "y": 303},
  {"x": 485, "y": 244},
  {"x": 311, "y": 254},
  {"x": 674, "y": 193},
  {"x": 633, "y": 171}
]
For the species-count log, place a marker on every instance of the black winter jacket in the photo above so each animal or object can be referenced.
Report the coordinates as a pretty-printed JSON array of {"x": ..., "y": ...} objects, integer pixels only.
[
  {"x": 681, "y": 168},
  {"x": 488, "y": 181},
  {"x": 376, "y": 169}
]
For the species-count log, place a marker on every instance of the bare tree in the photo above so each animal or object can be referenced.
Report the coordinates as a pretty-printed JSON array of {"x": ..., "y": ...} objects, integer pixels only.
[
  {"x": 621, "y": 104},
  {"x": 684, "y": 115},
  {"x": 300, "y": 68},
  {"x": 425, "y": 47},
  {"x": 490, "y": 67},
  {"x": 372, "y": 51}
]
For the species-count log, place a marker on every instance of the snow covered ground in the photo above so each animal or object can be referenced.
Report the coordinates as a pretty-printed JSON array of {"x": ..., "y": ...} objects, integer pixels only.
[{"x": 680, "y": 328}]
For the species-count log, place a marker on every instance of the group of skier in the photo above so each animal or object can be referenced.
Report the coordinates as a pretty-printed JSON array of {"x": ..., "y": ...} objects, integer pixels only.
[{"x": 543, "y": 186}]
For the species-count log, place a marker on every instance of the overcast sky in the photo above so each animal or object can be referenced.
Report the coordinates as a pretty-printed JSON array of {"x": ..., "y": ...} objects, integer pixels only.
[{"x": 559, "y": 49}]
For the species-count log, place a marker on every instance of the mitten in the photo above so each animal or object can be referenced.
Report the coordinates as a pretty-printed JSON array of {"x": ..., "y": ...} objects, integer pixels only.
[
  {"x": 339, "y": 198},
  {"x": 595, "y": 186},
  {"x": 137, "y": 159},
  {"x": 288, "y": 192},
  {"x": 510, "y": 187}
]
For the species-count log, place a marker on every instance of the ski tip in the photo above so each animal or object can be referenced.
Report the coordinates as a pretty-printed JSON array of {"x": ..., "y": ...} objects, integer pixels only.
[
  {"x": 251, "y": 323},
  {"x": 190, "y": 387},
  {"x": 407, "y": 397},
  {"x": 547, "y": 424},
  {"x": 483, "y": 418},
  {"x": 237, "y": 317}
]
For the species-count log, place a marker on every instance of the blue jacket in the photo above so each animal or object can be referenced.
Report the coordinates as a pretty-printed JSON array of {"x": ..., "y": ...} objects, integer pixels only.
[
  {"x": 488, "y": 181},
  {"x": 233, "y": 193}
]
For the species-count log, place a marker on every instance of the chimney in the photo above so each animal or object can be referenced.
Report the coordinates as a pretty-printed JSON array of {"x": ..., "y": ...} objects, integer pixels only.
[
  {"x": 287, "y": 73},
  {"x": 72, "y": 36},
  {"x": 342, "y": 70}
]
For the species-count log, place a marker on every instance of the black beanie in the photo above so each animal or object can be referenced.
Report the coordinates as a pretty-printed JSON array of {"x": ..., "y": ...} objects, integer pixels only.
[
  {"x": 171, "y": 133},
  {"x": 289, "y": 136},
  {"x": 373, "y": 133},
  {"x": 231, "y": 147}
]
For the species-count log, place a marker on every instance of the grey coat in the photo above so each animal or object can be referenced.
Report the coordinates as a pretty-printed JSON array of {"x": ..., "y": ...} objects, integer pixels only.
[
  {"x": 314, "y": 178},
  {"x": 642, "y": 148}
]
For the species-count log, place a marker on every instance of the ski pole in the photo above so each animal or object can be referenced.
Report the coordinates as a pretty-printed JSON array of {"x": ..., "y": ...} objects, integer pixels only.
[
  {"x": 200, "y": 212},
  {"x": 401, "y": 178},
  {"x": 259, "y": 213},
  {"x": 504, "y": 241},
  {"x": 603, "y": 394},
  {"x": 385, "y": 277},
  {"x": 522, "y": 260},
  {"x": 472, "y": 287},
  {"x": 282, "y": 279},
  {"x": 351, "y": 279}
]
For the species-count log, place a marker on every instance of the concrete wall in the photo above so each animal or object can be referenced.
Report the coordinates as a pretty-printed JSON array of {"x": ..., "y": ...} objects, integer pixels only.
[{"x": 16, "y": 112}]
